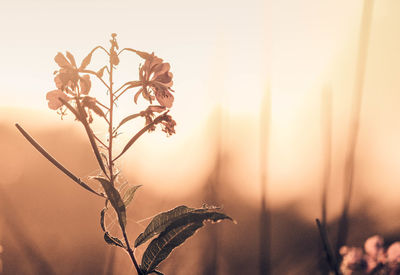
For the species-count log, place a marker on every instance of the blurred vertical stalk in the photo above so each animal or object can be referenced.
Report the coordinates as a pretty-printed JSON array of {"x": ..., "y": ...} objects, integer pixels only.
[
  {"x": 265, "y": 216},
  {"x": 326, "y": 137},
  {"x": 327, "y": 151},
  {"x": 354, "y": 123},
  {"x": 212, "y": 189}
]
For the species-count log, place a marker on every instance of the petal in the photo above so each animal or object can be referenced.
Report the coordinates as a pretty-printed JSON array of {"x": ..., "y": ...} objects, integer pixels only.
[
  {"x": 53, "y": 98},
  {"x": 58, "y": 82},
  {"x": 157, "y": 109},
  {"x": 374, "y": 245},
  {"x": 165, "y": 79},
  {"x": 164, "y": 97},
  {"x": 61, "y": 60},
  {"x": 393, "y": 253},
  {"x": 137, "y": 95},
  {"x": 85, "y": 84},
  {"x": 160, "y": 69}
]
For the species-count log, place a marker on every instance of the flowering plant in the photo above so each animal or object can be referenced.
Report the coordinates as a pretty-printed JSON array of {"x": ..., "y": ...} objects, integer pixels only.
[{"x": 73, "y": 85}]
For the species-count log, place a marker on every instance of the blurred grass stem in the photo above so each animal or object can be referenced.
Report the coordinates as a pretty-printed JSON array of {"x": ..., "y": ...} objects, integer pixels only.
[{"x": 354, "y": 123}]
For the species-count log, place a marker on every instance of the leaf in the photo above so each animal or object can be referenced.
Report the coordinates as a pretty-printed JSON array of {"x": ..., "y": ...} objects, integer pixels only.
[
  {"x": 113, "y": 240},
  {"x": 86, "y": 61},
  {"x": 160, "y": 222},
  {"x": 126, "y": 119},
  {"x": 143, "y": 55},
  {"x": 156, "y": 272},
  {"x": 115, "y": 199},
  {"x": 128, "y": 196},
  {"x": 102, "y": 215},
  {"x": 176, "y": 233},
  {"x": 71, "y": 59}
]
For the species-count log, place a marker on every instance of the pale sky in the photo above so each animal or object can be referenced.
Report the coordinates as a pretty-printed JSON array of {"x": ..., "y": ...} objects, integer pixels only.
[{"x": 221, "y": 52}]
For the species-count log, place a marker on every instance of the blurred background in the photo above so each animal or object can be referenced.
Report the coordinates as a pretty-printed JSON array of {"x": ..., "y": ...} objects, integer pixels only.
[{"x": 266, "y": 99}]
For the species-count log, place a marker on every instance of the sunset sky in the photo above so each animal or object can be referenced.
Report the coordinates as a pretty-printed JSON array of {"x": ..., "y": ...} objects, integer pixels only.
[{"x": 225, "y": 53}]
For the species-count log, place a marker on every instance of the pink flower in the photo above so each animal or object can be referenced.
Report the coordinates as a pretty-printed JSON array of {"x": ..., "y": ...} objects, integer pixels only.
[
  {"x": 393, "y": 253},
  {"x": 53, "y": 98},
  {"x": 375, "y": 252},
  {"x": 156, "y": 81},
  {"x": 353, "y": 260}
]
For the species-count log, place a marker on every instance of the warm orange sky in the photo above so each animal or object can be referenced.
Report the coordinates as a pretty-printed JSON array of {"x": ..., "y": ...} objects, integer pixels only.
[{"x": 225, "y": 52}]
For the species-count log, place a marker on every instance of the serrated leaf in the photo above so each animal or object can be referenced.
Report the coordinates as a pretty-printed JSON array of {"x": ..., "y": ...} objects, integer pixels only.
[
  {"x": 86, "y": 61},
  {"x": 115, "y": 200},
  {"x": 113, "y": 240},
  {"x": 175, "y": 234},
  {"x": 160, "y": 222},
  {"x": 71, "y": 59},
  {"x": 129, "y": 194}
]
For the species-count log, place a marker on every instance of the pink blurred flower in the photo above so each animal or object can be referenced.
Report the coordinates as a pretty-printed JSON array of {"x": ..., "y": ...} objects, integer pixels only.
[
  {"x": 353, "y": 260},
  {"x": 375, "y": 252},
  {"x": 156, "y": 81}
]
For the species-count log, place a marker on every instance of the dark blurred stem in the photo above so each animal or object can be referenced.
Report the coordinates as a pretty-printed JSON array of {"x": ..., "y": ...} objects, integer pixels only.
[
  {"x": 54, "y": 161},
  {"x": 327, "y": 139},
  {"x": 330, "y": 257},
  {"x": 265, "y": 216},
  {"x": 354, "y": 123}
]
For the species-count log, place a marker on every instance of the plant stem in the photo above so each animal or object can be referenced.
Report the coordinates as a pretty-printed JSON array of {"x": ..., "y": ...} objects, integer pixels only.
[
  {"x": 110, "y": 157},
  {"x": 131, "y": 254},
  {"x": 54, "y": 161}
]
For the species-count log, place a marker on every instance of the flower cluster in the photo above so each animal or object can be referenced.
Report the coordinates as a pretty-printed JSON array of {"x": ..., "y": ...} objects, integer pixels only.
[
  {"x": 68, "y": 81},
  {"x": 374, "y": 259}
]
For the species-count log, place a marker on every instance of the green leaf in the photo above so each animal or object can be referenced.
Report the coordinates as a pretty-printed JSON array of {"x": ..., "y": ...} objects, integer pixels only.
[
  {"x": 115, "y": 199},
  {"x": 128, "y": 196},
  {"x": 113, "y": 240},
  {"x": 183, "y": 226},
  {"x": 71, "y": 59}
]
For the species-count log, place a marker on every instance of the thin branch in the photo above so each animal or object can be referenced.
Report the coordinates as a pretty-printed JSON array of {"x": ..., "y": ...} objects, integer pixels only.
[
  {"x": 139, "y": 134},
  {"x": 94, "y": 73},
  {"x": 81, "y": 116},
  {"x": 54, "y": 161}
]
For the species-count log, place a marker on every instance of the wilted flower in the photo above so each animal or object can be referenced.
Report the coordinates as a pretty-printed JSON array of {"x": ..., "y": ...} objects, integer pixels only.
[
  {"x": 156, "y": 81},
  {"x": 168, "y": 125},
  {"x": 148, "y": 114}
]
